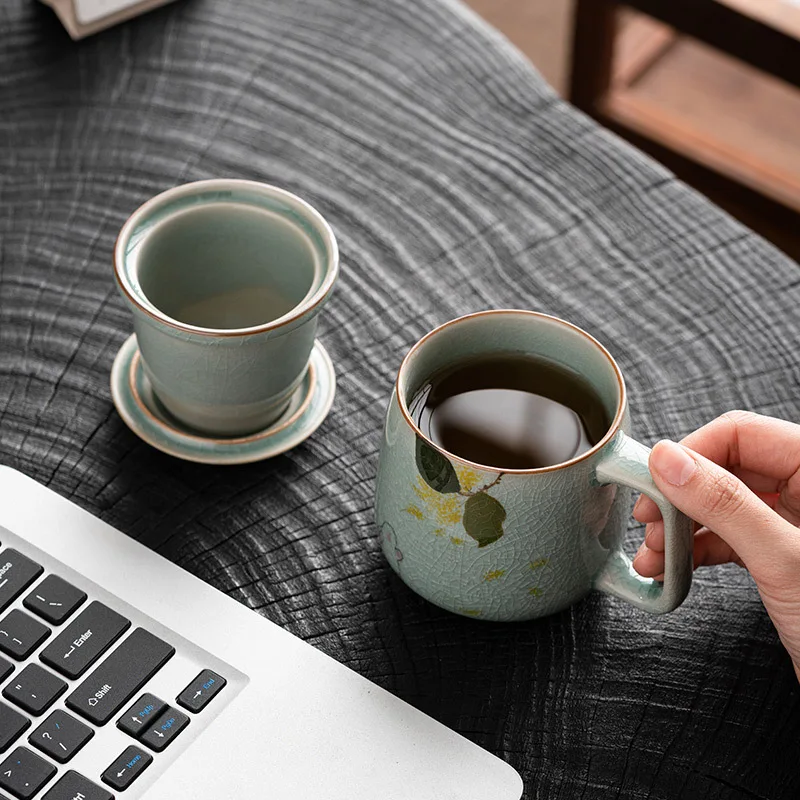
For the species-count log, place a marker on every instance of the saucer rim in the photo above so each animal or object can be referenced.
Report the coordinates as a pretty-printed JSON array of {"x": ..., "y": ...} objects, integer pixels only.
[
  {"x": 224, "y": 452},
  {"x": 279, "y": 425}
]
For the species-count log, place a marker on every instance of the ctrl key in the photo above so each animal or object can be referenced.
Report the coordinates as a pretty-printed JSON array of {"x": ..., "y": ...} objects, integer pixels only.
[{"x": 127, "y": 768}]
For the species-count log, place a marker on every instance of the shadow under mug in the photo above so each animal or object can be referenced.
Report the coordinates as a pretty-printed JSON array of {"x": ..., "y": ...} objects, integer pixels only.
[
  {"x": 225, "y": 279},
  {"x": 518, "y": 544}
]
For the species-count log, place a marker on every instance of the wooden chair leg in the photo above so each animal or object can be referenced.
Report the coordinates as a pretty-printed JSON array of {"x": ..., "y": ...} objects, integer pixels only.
[{"x": 592, "y": 51}]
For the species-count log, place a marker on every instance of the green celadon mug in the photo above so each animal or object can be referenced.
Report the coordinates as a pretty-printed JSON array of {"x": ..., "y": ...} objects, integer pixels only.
[{"x": 518, "y": 544}]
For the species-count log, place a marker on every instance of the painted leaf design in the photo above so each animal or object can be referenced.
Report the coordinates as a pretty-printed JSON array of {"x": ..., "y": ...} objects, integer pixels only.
[
  {"x": 483, "y": 518},
  {"x": 436, "y": 470}
]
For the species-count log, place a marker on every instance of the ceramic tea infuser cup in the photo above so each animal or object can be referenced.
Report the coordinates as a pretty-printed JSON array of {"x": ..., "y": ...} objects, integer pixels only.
[
  {"x": 516, "y": 544},
  {"x": 225, "y": 279}
]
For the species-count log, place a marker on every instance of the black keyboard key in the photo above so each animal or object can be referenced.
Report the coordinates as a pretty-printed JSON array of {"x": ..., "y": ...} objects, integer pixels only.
[
  {"x": 54, "y": 599},
  {"x": 124, "y": 672},
  {"x": 164, "y": 730},
  {"x": 73, "y": 786},
  {"x": 139, "y": 716},
  {"x": 6, "y": 668},
  {"x": 35, "y": 689},
  {"x": 201, "y": 691},
  {"x": 23, "y": 773},
  {"x": 12, "y": 726},
  {"x": 21, "y": 634},
  {"x": 17, "y": 573},
  {"x": 84, "y": 640},
  {"x": 127, "y": 768},
  {"x": 60, "y": 736}
]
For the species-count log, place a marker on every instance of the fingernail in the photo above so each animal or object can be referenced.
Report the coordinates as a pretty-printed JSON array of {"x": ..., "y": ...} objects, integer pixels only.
[
  {"x": 637, "y": 504},
  {"x": 639, "y": 552},
  {"x": 672, "y": 462}
]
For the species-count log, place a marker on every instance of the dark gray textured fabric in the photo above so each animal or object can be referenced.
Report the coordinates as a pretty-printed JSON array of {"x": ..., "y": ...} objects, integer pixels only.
[{"x": 456, "y": 180}]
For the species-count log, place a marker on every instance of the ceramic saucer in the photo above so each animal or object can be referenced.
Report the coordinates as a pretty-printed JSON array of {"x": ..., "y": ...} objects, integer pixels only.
[{"x": 146, "y": 417}]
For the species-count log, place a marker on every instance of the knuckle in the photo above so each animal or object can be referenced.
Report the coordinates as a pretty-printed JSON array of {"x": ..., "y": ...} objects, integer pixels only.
[
  {"x": 739, "y": 417},
  {"x": 724, "y": 495},
  {"x": 790, "y": 499},
  {"x": 736, "y": 421}
]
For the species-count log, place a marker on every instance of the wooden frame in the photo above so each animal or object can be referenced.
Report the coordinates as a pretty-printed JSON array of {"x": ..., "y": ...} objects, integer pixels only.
[{"x": 752, "y": 31}]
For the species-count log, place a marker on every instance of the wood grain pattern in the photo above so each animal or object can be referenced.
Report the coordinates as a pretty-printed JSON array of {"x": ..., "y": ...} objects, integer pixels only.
[{"x": 456, "y": 180}]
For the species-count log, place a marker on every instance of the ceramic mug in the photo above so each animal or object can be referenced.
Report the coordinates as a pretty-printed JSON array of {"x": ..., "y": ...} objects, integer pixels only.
[
  {"x": 225, "y": 279},
  {"x": 517, "y": 544}
]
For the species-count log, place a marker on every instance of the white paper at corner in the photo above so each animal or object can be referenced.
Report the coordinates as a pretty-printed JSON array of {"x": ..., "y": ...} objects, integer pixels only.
[
  {"x": 89, "y": 11},
  {"x": 85, "y": 17}
]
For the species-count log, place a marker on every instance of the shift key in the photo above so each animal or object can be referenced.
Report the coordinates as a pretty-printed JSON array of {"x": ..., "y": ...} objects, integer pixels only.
[
  {"x": 124, "y": 672},
  {"x": 84, "y": 640}
]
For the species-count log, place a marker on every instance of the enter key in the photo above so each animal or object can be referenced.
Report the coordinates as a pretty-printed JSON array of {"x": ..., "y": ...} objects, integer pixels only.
[{"x": 84, "y": 640}]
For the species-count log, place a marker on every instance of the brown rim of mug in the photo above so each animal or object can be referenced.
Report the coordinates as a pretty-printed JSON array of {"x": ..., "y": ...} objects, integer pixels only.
[
  {"x": 298, "y": 311},
  {"x": 253, "y": 437},
  {"x": 610, "y": 433}
]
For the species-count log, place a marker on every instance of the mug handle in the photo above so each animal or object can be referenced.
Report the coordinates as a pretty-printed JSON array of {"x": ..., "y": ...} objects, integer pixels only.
[{"x": 625, "y": 462}]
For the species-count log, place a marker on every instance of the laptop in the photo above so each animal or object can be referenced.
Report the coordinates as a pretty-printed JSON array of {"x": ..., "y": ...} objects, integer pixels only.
[{"x": 122, "y": 676}]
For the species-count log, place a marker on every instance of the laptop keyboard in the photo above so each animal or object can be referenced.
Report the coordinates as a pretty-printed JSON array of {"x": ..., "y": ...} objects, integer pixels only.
[{"x": 71, "y": 664}]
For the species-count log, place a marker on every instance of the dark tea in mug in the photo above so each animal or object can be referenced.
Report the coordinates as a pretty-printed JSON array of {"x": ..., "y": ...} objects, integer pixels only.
[{"x": 510, "y": 412}]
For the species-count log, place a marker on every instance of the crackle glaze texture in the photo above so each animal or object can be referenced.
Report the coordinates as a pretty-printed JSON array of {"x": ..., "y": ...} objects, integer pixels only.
[
  {"x": 510, "y": 545},
  {"x": 225, "y": 385},
  {"x": 557, "y": 534},
  {"x": 455, "y": 180}
]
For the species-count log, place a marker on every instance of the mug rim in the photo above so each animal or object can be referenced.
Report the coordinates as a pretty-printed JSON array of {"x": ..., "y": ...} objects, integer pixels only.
[
  {"x": 330, "y": 269},
  {"x": 613, "y": 428}
]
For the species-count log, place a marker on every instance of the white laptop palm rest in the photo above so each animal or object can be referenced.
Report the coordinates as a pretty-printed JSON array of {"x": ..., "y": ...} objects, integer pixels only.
[{"x": 122, "y": 676}]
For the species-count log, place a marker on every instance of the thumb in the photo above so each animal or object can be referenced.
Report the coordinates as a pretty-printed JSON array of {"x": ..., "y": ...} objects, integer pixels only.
[{"x": 716, "y": 498}]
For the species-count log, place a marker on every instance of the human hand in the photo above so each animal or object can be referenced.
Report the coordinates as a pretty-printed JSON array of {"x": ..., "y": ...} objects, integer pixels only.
[{"x": 739, "y": 478}]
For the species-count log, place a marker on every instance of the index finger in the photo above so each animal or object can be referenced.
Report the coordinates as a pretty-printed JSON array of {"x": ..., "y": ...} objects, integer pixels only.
[
  {"x": 751, "y": 446},
  {"x": 764, "y": 445}
]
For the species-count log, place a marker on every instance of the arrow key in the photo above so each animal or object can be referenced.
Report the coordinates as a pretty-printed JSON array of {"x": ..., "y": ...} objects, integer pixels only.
[
  {"x": 138, "y": 717},
  {"x": 127, "y": 768},
  {"x": 165, "y": 729},
  {"x": 201, "y": 691}
]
